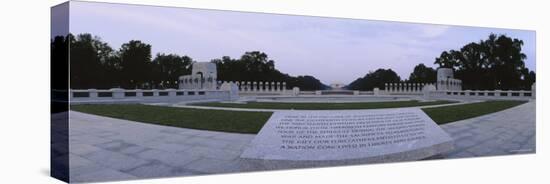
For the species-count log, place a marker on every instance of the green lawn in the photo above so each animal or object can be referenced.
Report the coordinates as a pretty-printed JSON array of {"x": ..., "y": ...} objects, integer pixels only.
[
  {"x": 442, "y": 115},
  {"x": 252, "y": 122},
  {"x": 324, "y": 106},
  {"x": 218, "y": 120}
]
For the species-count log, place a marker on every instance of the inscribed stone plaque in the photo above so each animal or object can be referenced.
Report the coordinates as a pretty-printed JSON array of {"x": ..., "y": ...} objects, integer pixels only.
[{"x": 294, "y": 139}]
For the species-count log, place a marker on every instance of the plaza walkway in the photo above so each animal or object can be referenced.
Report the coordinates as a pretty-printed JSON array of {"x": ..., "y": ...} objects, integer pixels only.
[
  {"x": 511, "y": 131},
  {"x": 104, "y": 148}
]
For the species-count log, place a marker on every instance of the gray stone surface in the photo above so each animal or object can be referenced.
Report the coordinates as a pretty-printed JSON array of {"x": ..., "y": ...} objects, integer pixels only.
[
  {"x": 511, "y": 131},
  {"x": 168, "y": 151},
  {"x": 107, "y": 149},
  {"x": 292, "y": 139}
]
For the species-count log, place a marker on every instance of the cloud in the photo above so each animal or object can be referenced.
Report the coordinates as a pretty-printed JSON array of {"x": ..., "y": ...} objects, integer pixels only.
[{"x": 432, "y": 31}]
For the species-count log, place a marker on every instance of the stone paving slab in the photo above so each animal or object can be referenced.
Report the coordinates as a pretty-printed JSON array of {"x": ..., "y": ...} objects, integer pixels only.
[
  {"x": 511, "y": 131},
  {"x": 105, "y": 148}
]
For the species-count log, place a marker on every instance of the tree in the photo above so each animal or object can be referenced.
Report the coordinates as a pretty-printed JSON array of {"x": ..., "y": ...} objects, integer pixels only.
[
  {"x": 375, "y": 79},
  {"x": 447, "y": 59},
  {"x": 169, "y": 67},
  {"x": 59, "y": 61},
  {"x": 135, "y": 57},
  {"x": 423, "y": 74},
  {"x": 94, "y": 64},
  {"x": 256, "y": 66},
  {"x": 494, "y": 63},
  {"x": 88, "y": 56}
]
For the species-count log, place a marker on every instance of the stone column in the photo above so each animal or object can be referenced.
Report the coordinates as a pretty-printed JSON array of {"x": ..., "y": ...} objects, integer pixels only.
[
  {"x": 263, "y": 86},
  {"x": 284, "y": 86},
  {"x": 277, "y": 85},
  {"x": 214, "y": 84},
  {"x": 254, "y": 86},
  {"x": 397, "y": 87}
]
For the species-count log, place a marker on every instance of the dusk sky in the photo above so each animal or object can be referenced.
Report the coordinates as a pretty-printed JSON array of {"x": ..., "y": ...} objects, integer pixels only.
[{"x": 331, "y": 49}]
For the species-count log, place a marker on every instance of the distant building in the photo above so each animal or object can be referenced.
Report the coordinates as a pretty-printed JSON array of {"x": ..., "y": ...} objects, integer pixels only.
[{"x": 337, "y": 86}]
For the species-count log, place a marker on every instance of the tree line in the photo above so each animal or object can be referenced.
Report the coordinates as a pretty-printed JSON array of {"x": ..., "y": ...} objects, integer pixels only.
[
  {"x": 256, "y": 66},
  {"x": 494, "y": 63},
  {"x": 95, "y": 64}
]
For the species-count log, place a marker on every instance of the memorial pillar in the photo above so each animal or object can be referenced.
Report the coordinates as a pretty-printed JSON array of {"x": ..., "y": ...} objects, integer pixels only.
[
  {"x": 254, "y": 86},
  {"x": 262, "y": 86}
]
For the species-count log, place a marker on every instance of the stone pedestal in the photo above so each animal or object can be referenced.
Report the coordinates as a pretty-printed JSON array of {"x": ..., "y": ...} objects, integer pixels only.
[
  {"x": 295, "y": 91},
  {"x": 118, "y": 93},
  {"x": 93, "y": 93},
  {"x": 427, "y": 90},
  {"x": 233, "y": 90},
  {"x": 376, "y": 91}
]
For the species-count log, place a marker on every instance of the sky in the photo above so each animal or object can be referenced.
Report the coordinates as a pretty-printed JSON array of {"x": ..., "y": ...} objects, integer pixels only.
[{"x": 334, "y": 50}]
